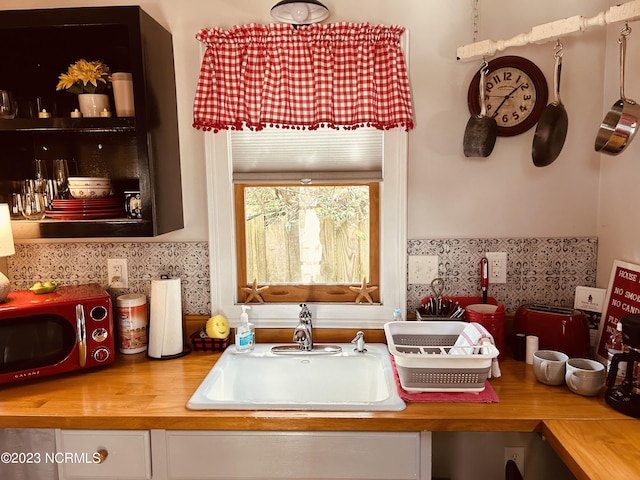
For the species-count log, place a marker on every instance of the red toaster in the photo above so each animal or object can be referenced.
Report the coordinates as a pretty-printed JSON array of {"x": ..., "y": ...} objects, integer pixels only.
[{"x": 557, "y": 328}]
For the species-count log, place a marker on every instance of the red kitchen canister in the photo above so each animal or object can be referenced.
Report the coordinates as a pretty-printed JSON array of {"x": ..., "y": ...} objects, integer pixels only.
[
  {"x": 491, "y": 317},
  {"x": 132, "y": 318}
]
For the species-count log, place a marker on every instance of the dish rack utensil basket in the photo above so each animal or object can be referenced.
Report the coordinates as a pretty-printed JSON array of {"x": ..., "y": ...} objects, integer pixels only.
[{"x": 421, "y": 351}]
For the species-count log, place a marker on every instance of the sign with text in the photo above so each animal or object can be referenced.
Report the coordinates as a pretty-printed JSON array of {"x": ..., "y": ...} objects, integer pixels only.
[{"x": 623, "y": 298}]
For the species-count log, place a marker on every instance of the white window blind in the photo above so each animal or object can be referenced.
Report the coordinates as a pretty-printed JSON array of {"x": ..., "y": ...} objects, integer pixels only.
[{"x": 279, "y": 155}]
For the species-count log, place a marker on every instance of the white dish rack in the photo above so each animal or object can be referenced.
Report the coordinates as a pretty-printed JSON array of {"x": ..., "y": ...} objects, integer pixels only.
[{"x": 421, "y": 351}]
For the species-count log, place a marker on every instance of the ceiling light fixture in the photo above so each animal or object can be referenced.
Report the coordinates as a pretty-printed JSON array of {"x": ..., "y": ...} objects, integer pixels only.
[{"x": 299, "y": 12}]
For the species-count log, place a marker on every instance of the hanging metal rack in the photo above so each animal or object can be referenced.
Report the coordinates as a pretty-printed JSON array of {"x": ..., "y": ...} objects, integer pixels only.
[{"x": 627, "y": 12}]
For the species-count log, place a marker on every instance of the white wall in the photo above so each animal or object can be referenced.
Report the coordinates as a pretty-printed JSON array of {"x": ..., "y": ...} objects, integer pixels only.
[
  {"x": 450, "y": 195},
  {"x": 504, "y": 194}
]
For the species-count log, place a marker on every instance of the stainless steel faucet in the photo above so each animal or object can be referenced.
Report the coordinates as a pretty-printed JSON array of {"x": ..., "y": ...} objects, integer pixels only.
[{"x": 303, "y": 334}]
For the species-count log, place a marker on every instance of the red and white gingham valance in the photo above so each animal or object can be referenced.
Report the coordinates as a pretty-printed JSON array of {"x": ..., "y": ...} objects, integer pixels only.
[{"x": 334, "y": 75}]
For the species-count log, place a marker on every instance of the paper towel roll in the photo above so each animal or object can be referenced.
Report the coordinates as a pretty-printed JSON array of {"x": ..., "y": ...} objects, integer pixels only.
[{"x": 165, "y": 318}]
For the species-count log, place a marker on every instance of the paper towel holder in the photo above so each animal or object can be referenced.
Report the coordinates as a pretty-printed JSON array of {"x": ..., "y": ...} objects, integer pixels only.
[
  {"x": 163, "y": 310},
  {"x": 186, "y": 351}
]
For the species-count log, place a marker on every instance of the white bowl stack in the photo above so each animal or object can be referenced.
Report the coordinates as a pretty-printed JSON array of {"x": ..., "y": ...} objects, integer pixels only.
[{"x": 90, "y": 187}]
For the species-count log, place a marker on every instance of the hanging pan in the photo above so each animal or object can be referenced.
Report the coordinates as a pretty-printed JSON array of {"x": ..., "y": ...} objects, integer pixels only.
[
  {"x": 621, "y": 122},
  {"x": 481, "y": 131},
  {"x": 551, "y": 130}
]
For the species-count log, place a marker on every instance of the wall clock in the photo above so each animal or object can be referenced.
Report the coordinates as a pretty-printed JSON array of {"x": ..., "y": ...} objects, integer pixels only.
[{"x": 516, "y": 92}]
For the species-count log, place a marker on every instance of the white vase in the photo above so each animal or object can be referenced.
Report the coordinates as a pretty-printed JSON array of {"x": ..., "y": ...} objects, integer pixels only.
[
  {"x": 123, "y": 94},
  {"x": 91, "y": 104}
]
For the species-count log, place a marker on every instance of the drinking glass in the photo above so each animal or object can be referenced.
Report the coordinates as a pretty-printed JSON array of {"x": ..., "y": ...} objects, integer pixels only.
[
  {"x": 50, "y": 193},
  {"x": 7, "y": 106},
  {"x": 61, "y": 177},
  {"x": 33, "y": 201},
  {"x": 15, "y": 206},
  {"x": 26, "y": 108},
  {"x": 40, "y": 175}
]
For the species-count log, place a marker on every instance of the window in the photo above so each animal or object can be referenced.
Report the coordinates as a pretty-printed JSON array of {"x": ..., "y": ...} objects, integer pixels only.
[
  {"x": 232, "y": 173},
  {"x": 307, "y": 243},
  {"x": 309, "y": 240}
]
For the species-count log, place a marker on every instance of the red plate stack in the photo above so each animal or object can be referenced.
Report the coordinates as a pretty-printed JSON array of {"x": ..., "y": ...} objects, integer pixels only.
[{"x": 86, "y": 208}]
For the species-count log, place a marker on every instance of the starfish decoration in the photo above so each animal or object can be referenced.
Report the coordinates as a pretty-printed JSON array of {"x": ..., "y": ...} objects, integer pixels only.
[
  {"x": 254, "y": 292},
  {"x": 363, "y": 291}
]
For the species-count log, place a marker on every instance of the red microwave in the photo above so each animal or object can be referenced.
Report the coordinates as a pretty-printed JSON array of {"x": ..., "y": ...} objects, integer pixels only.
[{"x": 67, "y": 330}]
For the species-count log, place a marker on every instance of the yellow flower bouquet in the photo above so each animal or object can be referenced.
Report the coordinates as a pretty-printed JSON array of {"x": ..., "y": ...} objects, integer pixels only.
[{"x": 85, "y": 77}]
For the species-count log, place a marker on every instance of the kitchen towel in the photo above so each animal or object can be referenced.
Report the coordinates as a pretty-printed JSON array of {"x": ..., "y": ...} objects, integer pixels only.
[
  {"x": 488, "y": 395},
  {"x": 165, "y": 319},
  {"x": 474, "y": 335}
]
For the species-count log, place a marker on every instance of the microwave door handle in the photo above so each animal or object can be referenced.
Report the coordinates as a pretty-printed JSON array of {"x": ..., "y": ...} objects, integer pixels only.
[{"x": 82, "y": 335}]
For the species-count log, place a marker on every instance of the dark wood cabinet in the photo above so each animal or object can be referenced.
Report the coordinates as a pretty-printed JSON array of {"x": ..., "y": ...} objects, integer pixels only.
[{"x": 137, "y": 153}]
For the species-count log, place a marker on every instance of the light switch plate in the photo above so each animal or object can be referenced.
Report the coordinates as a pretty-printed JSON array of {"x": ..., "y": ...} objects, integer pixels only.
[{"x": 423, "y": 268}]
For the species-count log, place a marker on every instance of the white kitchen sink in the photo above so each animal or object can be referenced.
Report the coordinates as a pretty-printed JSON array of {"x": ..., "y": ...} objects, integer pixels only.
[{"x": 263, "y": 380}]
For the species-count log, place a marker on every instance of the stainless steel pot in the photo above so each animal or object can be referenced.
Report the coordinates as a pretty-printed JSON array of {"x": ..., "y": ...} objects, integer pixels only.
[{"x": 621, "y": 122}]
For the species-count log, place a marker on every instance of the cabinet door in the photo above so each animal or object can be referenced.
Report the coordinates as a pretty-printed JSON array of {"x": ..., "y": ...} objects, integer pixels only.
[
  {"x": 88, "y": 454},
  {"x": 293, "y": 455}
]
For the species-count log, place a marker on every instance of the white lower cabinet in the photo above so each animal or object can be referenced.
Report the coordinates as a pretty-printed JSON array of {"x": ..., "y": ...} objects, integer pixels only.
[
  {"x": 246, "y": 455},
  {"x": 258, "y": 455},
  {"x": 93, "y": 454}
]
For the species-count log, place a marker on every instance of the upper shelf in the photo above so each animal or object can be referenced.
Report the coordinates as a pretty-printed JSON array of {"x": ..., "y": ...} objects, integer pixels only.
[
  {"x": 552, "y": 31},
  {"x": 113, "y": 124}
]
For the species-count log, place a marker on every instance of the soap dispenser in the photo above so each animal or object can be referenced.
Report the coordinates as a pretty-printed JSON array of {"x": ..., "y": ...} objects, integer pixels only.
[{"x": 245, "y": 333}]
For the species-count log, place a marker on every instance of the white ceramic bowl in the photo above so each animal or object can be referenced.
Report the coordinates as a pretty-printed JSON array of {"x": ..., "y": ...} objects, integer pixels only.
[
  {"x": 89, "y": 192},
  {"x": 89, "y": 182}
]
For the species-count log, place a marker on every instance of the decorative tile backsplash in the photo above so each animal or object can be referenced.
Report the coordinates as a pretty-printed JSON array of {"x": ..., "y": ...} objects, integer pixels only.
[
  {"x": 78, "y": 263},
  {"x": 539, "y": 270}
]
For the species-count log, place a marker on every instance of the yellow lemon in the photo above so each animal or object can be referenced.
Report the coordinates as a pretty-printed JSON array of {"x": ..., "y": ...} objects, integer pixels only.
[{"x": 47, "y": 287}]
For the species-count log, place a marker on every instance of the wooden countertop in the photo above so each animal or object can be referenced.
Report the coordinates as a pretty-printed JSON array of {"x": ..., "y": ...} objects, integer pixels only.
[
  {"x": 613, "y": 448},
  {"x": 138, "y": 393}
]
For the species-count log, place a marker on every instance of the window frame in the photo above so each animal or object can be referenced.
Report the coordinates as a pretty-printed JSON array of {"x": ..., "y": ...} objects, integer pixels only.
[
  {"x": 298, "y": 293},
  {"x": 392, "y": 257}
]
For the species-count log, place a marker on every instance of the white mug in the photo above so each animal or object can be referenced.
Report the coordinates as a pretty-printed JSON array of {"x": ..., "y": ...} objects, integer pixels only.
[
  {"x": 549, "y": 366},
  {"x": 584, "y": 376}
]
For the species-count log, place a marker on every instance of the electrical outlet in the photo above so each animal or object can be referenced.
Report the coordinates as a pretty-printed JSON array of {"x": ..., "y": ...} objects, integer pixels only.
[
  {"x": 117, "y": 273},
  {"x": 423, "y": 268},
  {"x": 497, "y": 267},
  {"x": 517, "y": 455}
]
